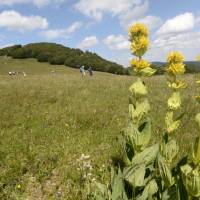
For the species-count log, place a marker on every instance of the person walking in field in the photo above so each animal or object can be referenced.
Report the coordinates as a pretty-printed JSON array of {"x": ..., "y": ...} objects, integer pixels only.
[
  {"x": 82, "y": 71},
  {"x": 90, "y": 71}
]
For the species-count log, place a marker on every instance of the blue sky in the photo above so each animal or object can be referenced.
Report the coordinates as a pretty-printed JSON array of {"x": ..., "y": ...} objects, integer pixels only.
[{"x": 101, "y": 25}]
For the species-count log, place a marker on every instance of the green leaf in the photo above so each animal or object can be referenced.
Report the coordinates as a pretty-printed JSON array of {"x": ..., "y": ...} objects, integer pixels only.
[
  {"x": 150, "y": 189},
  {"x": 147, "y": 156},
  {"x": 148, "y": 71},
  {"x": 170, "y": 193},
  {"x": 169, "y": 150},
  {"x": 134, "y": 175},
  {"x": 191, "y": 180},
  {"x": 118, "y": 190},
  {"x": 165, "y": 172},
  {"x": 197, "y": 119},
  {"x": 196, "y": 151},
  {"x": 140, "y": 111},
  {"x": 138, "y": 138},
  {"x": 171, "y": 125},
  {"x": 174, "y": 102},
  {"x": 138, "y": 88}
]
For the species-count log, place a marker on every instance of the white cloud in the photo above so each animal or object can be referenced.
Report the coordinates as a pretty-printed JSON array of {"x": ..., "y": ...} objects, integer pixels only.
[
  {"x": 38, "y": 3},
  {"x": 152, "y": 22},
  {"x": 127, "y": 11},
  {"x": 75, "y": 26},
  {"x": 188, "y": 43},
  {"x": 116, "y": 42},
  {"x": 181, "y": 41},
  {"x": 88, "y": 42},
  {"x": 64, "y": 33},
  {"x": 13, "y": 20},
  {"x": 95, "y": 8},
  {"x": 134, "y": 13},
  {"x": 179, "y": 24}
]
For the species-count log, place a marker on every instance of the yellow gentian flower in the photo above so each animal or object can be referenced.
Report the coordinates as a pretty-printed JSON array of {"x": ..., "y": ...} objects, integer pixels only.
[
  {"x": 176, "y": 68},
  {"x": 140, "y": 46},
  {"x": 175, "y": 57},
  {"x": 138, "y": 30},
  {"x": 139, "y": 64},
  {"x": 177, "y": 85}
]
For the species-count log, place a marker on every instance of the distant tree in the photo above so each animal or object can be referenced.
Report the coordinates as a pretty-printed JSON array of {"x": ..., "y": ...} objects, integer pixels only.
[{"x": 59, "y": 54}]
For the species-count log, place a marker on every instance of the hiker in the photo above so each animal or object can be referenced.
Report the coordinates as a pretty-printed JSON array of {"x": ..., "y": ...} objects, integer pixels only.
[
  {"x": 82, "y": 70},
  {"x": 90, "y": 71}
]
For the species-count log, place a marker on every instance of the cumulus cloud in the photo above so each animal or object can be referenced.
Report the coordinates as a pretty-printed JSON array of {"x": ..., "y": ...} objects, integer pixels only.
[
  {"x": 179, "y": 24},
  {"x": 13, "y": 20},
  {"x": 38, "y": 3},
  {"x": 152, "y": 22},
  {"x": 88, "y": 42},
  {"x": 181, "y": 41},
  {"x": 117, "y": 42},
  {"x": 133, "y": 14},
  {"x": 96, "y": 8},
  {"x": 64, "y": 33},
  {"x": 127, "y": 11}
]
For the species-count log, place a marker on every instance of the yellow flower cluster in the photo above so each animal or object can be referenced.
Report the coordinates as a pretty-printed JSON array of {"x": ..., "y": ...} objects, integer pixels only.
[
  {"x": 175, "y": 64},
  {"x": 138, "y": 30},
  {"x": 177, "y": 85},
  {"x": 139, "y": 64},
  {"x": 198, "y": 58},
  {"x": 175, "y": 57},
  {"x": 140, "y": 46},
  {"x": 138, "y": 34}
]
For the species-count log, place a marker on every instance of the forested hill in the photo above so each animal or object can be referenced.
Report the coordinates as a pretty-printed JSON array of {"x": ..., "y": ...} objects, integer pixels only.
[{"x": 59, "y": 54}]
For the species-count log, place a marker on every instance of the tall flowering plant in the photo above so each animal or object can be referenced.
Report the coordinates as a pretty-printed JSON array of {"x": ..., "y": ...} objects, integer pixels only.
[
  {"x": 191, "y": 170},
  {"x": 148, "y": 172}
]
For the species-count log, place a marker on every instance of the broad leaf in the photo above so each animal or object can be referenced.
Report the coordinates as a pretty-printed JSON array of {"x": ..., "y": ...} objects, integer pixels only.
[
  {"x": 118, "y": 190},
  {"x": 191, "y": 180},
  {"x": 165, "y": 172},
  {"x": 174, "y": 102},
  {"x": 134, "y": 175},
  {"x": 171, "y": 125},
  {"x": 138, "y": 88},
  {"x": 150, "y": 189},
  {"x": 147, "y": 156},
  {"x": 148, "y": 71}
]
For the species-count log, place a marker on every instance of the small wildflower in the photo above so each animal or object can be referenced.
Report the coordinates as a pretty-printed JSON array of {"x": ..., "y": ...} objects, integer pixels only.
[{"x": 18, "y": 186}]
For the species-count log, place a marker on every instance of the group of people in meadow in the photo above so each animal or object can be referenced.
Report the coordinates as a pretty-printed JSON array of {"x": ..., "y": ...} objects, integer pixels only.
[{"x": 83, "y": 71}]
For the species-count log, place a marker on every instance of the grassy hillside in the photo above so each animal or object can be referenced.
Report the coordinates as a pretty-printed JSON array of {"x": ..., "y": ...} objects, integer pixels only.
[
  {"x": 57, "y": 54},
  {"x": 48, "y": 120}
]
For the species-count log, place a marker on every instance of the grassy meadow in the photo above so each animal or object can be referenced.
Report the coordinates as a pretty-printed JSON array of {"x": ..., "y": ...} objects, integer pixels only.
[{"x": 48, "y": 120}]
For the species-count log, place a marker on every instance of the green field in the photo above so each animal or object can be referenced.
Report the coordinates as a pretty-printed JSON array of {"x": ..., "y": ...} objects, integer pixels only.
[{"x": 48, "y": 120}]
